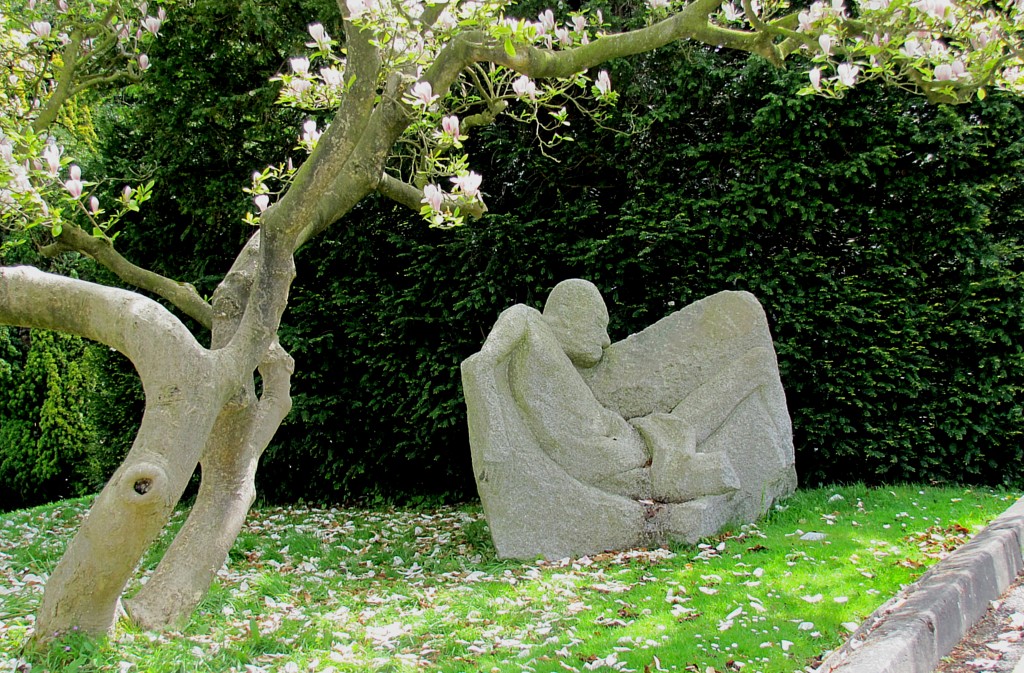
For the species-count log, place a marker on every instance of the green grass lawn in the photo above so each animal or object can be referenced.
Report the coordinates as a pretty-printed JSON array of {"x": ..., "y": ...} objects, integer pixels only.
[{"x": 355, "y": 590}]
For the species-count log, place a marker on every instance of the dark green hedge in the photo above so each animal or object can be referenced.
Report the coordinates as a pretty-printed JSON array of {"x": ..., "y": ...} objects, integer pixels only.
[{"x": 881, "y": 235}]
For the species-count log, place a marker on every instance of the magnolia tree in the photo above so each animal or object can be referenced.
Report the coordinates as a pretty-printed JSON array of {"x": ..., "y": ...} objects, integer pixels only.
[{"x": 407, "y": 82}]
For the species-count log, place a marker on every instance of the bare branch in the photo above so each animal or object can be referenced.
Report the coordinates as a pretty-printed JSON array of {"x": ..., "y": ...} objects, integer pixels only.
[
  {"x": 65, "y": 80},
  {"x": 124, "y": 320},
  {"x": 691, "y": 22},
  {"x": 130, "y": 74},
  {"x": 182, "y": 295}
]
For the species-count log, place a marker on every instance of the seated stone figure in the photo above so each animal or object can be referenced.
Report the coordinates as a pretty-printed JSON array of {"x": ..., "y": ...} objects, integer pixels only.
[{"x": 580, "y": 446}]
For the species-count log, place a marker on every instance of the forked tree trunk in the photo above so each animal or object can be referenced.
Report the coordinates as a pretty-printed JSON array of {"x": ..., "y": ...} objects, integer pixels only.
[
  {"x": 226, "y": 493},
  {"x": 127, "y": 517},
  {"x": 186, "y": 385}
]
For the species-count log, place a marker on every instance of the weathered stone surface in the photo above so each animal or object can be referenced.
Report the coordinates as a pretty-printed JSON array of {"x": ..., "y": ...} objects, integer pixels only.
[{"x": 581, "y": 446}]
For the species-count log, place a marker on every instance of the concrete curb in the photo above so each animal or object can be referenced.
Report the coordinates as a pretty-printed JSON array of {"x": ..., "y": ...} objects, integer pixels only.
[{"x": 912, "y": 631}]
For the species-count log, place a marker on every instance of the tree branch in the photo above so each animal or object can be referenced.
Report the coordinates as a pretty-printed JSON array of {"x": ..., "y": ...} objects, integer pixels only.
[
  {"x": 411, "y": 197},
  {"x": 181, "y": 295},
  {"x": 73, "y": 61},
  {"x": 308, "y": 203},
  {"x": 691, "y": 22},
  {"x": 126, "y": 321},
  {"x": 65, "y": 78},
  {"x": 88, "y": 82},
  {"x": 275, "y": 401}
]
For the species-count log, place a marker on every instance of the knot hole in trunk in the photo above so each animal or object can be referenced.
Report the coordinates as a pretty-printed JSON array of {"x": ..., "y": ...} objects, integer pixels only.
[{"x": 143, "y": 484}]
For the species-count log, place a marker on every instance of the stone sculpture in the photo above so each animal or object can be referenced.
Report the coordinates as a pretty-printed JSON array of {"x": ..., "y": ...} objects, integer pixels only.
[{"x": 581, "y": 446}]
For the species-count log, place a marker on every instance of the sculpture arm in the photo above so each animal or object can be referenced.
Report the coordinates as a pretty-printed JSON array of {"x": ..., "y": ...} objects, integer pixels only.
[{"x": 708, "y": 407}]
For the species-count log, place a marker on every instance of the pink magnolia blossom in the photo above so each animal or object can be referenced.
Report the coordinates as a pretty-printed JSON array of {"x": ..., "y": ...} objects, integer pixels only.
[
  {"x": 468, "y": 184},
  {"x": 300, "y": 66},
  {"x": 810, "y": 17},
  {"x": 603, "y": 83},
  {"x": 547, "y": 21},
  {"x": 935, "y": 8},
  {"x": 6, "y": 151},
  {"x": 20, "y": 183},
  {"x": 446, "y": 21},
  {"x": 655, "y": 5},
  {"x": 358, "y": 8},
  {"x": 298, "y": 86},
  {"x": 731, "y": 11},
  {"x": 262, "y": 201},
  {"x": 825, "y": 41},
  {"x": 912, "y": 48},
  {"x": 94, "y": 205},
  {"x": 52, "y": 156},
  {"x": 422, "y": 94},
  {"x": 579, "y": 23},
  {"x": 815, "y": 77},
  {"x": 74, "y": 172},
  {"x": 151, "y": 24},
  {"x": 450, "y": 125},
  {"x": 143, "y": 62},
  {"x": 333, "y": 77},
  {"x": 41, "y": 29},
  {"x": 433, "y": 196},
  {"x": 563, "y": 36},
  {"x": 318, "y": 33},
  {"x": 309, "y": 132},
  {"x": 847, "y": 73},
  {"x": 943, "y": 72},
  {"x": 524, "y": 87},
  {"x": 127, "y": 192},
  {"x": 74, "y": 187}
]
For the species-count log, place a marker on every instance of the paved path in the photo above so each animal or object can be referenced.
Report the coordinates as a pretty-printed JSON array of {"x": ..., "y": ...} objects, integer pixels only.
[{"x": 915, "y": 629}]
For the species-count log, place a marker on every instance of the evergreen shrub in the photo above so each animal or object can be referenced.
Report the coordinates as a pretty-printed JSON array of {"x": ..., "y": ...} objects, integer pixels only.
[{"x": 881, "y": 234}]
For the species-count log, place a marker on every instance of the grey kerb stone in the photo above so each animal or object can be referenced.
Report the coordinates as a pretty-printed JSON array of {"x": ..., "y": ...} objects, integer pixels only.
[{"x": 581, "y": 446}]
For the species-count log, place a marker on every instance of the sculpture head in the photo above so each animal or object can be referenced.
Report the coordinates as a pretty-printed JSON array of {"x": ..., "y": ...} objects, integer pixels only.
[{"x": 579, "y": 319}]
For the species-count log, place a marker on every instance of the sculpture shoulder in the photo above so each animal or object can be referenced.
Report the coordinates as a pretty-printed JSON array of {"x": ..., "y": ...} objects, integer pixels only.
[{"x": 514, "y": 324}]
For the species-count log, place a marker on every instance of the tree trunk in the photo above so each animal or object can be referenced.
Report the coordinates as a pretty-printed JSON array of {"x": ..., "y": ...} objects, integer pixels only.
[
  {"x": 84, "y": 589},
  {"x": 228, "y": 489},
  {"x": 186, "y": 386}
]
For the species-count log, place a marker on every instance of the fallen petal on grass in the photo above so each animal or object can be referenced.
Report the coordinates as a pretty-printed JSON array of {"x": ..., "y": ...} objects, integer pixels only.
[{"x": 341, "y": 590}]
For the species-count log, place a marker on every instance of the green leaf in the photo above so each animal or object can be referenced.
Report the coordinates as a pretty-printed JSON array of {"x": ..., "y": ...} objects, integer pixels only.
[{"x": 510, "y": 48}]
